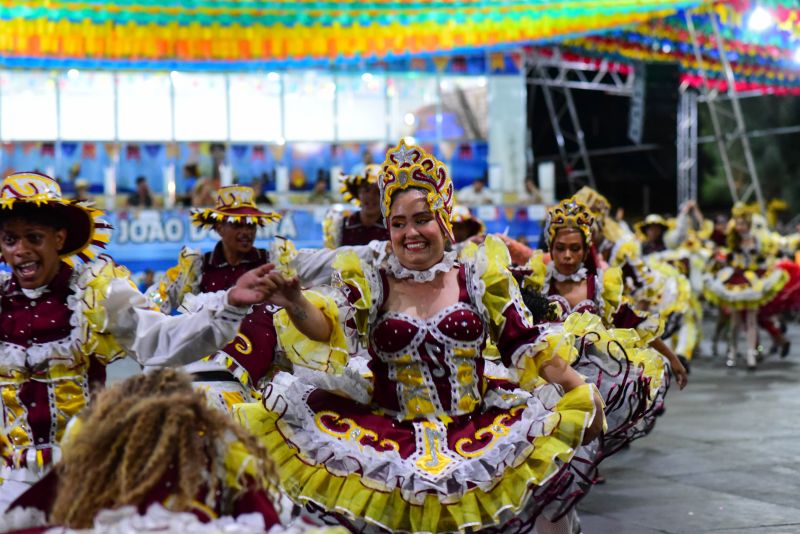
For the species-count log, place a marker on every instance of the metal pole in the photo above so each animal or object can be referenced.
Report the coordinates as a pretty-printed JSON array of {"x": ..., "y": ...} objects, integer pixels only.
[
  {"x": 723, "y": 151},
  {"x": 562, "y": 150},
  {"x": 687, "y": 146},
  {"x": 737, "y": 111},
  {"x": 580, "y": 138},
  {"x": 753, "y": 134},
  {"x": 692, "y": 148}
]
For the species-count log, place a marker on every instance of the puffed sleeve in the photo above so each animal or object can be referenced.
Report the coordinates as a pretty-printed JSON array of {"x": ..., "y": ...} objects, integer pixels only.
[
  {"x": 361, "y": 289},
  {"x": 117, "y": 320},
  {"x": 314, "y": 267},
  {"x": 330, "y": 357},
  {"x": 617, "y": 312},
  {"x": 790, "y": 243},
  {"x": 534, "y": 272},
  {"x": 350, "y": 305},
  {"x": 678, "y": 233},
  {"x": 178, "y": 281},
  {"x": 521, "y": 344}
]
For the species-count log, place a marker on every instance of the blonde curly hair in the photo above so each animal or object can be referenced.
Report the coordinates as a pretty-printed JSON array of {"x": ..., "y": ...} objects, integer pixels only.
[{"x": 137, "y": 430}]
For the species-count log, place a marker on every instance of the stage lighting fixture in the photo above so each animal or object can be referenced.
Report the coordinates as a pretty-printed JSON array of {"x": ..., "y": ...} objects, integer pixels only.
[{"x": 760, "y": 20}]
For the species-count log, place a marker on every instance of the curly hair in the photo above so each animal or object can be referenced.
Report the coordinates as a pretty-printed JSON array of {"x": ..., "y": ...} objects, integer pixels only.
[
  {"x": 541, "y": 308},
  {"x": 133, "y": 433}
]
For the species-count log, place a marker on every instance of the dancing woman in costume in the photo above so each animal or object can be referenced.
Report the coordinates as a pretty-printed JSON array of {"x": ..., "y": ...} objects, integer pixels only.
[
  {"x": 746, "y": 279},
  {"x": 62, "y": 323},
  {"x": 426, "y": 446},
  {"x": 614, "y": 336}
]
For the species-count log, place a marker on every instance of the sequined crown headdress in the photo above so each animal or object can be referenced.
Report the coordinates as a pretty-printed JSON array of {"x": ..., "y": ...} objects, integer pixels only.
[
  {"x": 86, "y": 231},
  {"x": 409, "y": 166},
  {"x": 234, "y": 204},
  {"x": 351, "y": 183},
  {"x": 597, "y": 203},
  {"x": 569, "y": 213}
]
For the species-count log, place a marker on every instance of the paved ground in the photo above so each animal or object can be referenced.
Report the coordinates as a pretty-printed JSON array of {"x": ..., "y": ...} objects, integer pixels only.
[{"x": 724, "y": 458}]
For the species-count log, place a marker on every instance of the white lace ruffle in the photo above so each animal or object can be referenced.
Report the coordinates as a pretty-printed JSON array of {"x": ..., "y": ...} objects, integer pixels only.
[
  {"x": 22, "y": 519},
  {"x": 577, "y": 276},
  {"x": 387, "y": 471},
  {"x": 718, "y": 286},
  {"x": 349, "y": 383},
  {"x": 397, "y": 270},
  {"x": 158, "y": 519}
]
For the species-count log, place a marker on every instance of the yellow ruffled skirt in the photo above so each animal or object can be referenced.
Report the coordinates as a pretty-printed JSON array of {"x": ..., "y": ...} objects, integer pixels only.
[{"x": 351, "y": 462}]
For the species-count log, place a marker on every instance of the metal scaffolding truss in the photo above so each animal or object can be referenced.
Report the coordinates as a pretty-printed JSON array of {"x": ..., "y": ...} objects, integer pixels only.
[
  {"x": 557, "y": 77},
  {"x": 553, "y": 70},
  {"x": 728, "y": 124}
]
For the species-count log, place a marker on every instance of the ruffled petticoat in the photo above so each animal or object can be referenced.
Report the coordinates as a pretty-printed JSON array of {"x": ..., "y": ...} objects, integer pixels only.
[
  {"x": 632, "y": 380},
  {"x": 740, "y": 289},
  {"x": 630, "y": 376},
  {"x": 788, "y": 299},
  {"x": 223, "y": 394},
  {"x": 347, "y": 461}
]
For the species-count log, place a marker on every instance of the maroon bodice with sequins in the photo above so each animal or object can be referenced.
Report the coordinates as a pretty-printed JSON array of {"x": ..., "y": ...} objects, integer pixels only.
[
  {"x": 46, "y": 376},
  {"x": 253, "y": 348},
  {"x": 623, "y": 317},
  {"x": 589, "y": 304},
  {"x": 218, "y": 275},
  {"x": 424, "y": 366},
  {"x": 354, "y": 233}
]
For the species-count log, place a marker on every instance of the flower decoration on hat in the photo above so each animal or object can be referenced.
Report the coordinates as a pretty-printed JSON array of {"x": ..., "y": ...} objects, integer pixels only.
[
  {"x": 351, "y": 183},
  {"x": 86, "y": 231},
  {"x": 409, "y": 167},
  {"x": 235, "y": 204},
  {"x": 569, "y": 213}
]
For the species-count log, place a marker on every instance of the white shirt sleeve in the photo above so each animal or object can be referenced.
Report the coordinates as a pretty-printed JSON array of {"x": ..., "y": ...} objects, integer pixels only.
[
  {"x": 675, "y": 236},
  {"x": 315, "y": 266},
  {"x": 153, "y": 338}
]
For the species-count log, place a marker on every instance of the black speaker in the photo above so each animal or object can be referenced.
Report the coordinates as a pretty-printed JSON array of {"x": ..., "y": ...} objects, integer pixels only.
[{"x": 653, "y": 116}]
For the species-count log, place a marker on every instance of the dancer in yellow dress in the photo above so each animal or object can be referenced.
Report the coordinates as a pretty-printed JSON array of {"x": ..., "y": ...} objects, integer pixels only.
[
  {"x": 425, "y": 446},
  {"x": 745, "y": 278}
]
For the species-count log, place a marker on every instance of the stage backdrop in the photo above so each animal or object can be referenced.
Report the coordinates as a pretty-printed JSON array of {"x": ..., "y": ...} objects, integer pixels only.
[{"x": 151, "y": 239}]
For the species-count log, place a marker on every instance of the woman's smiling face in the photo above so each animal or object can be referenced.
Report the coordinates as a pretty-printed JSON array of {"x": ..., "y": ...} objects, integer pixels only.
[{"x": 416, "y": 237}]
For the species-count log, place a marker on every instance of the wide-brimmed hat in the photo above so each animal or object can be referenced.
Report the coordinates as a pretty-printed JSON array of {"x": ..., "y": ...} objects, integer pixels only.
[
  {"x": 653, "y": 219},
  {"x": 82, "y": 221},
  {"x": 351, "y": 182},
  {"x": 461, "y": 215},
  {"x": 234, "y": 204}
]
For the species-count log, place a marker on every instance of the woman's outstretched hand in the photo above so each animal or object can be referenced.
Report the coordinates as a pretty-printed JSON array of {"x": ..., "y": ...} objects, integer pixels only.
[
  {"x": 263, "y": 284},
  {"x": 287, "y": 290}
]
